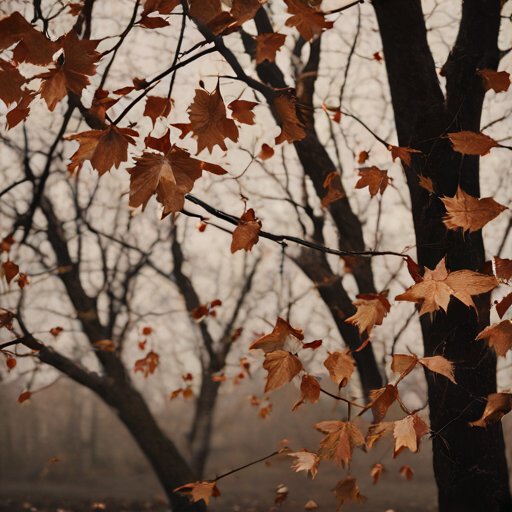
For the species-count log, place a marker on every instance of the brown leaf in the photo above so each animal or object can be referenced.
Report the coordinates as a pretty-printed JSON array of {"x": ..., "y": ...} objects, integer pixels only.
[
  {"x": 371, "y": 310},
  {"x": 403, "y": 153},
  {"x": 104, "y": 148},
  {"x": 310, "y": 505},
  {"x": 188, "y": 393},
  {"x": 413, "y": 269},
  {"x": 502, "y": 268},
  {"x": 306, "y": 461},
  {"x": 339, "y": 442},
  {"x": 378, "y": 430},
  {"x": 498, "y": 336},
  {"x": 157, "y": 107},
  {"x": 10, "y": 270},
  {"x": 374, "y": 179},
  {"x": 199, "y": 491},
  {"x": 503, "y": 305},
  {"x": 267, "y": 45},
  {"x": 246, "y": 234},
  {"x": 265, "y": 411},
  {"x": 6, "y": 243},
  {"x": 242, "y": 111},
  {"x": 308, "y": 20},
  {"x": 176, "y": 393},
  {"x": 310, "y": 391},
  {"x": 408, "y": 433},
  {"x": 498, "y": 404},
  {"x": 21, "y": 111},
  {"x": 313, "y": 345},
  {"x": 363, "y": 156},
  {"x": 105, "y": 345},
  {"x": 471, "y": 143},
  {"x": 24, "y": 397},
  {"x": 381, "y": 401},
  {"x": 275, "y": 340},
  {"x": 376, "y": 472},
  {"x": 210, "y": 126},
  {"x": 245, "y": 10},
  {"x": 100, "y": 104},
  {"x": 23, "y": 280},
  {"x": 407, "y": 472},
  {"x": 205, "y": 310},
  {"x": 148, "y": 364},
  {"x": 434, "y": 292},
  {"x": 468, "y": 212},
  {"x": 11, "y": 81},
  {"x": 282, "y": 367},
  {"x": 266, "y": 152},
  {"x": 403, "y": 364},
  {"x": 498, "y": 81},
  {"x": 335, "y": 189},
  {"x": 340, "y": 367},
  {"x": 292, "y": 129},
  {"x": 33, "y": 46},
  {"x": 11, "y": 363},
  {"x": 347, "y": 490},
  {"x": 152, "y": 22},
  {"x": 160, "y": 6},
  {"x": 55, "y": 331},
  {"x": 438, "y": 364},
  {"x": 427, "y": 184}
]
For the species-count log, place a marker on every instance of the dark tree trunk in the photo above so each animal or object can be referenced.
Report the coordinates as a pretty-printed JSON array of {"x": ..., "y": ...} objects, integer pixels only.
[{"x": 469, "y": 462}]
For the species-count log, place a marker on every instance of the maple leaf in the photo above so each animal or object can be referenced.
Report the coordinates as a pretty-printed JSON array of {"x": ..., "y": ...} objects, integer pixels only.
[
  {"x": 199, "y": 491},
  {"x": 381, "y": 401},
  {"x": 24, "y": 397},
  {"x": 306, "y": 461},
  {"x": 378, "y": 430},
  {"x": 241, "y": 111},
  {"x": 33, "y": 46},
  {"x": 210, "y": 126},
  {"x": 245, "y": 10},
  {"x": 434, "y": 292},
  {"x": 276, "y": 339},
  {"x": 471, "y": 143},
  {"x": 21, "y": 111},
  {"x": 292, "y": 129},
  {"x": 11, "y": 81},
  {"x": 309, "y": 21},
  {"x": 339, "y": 442},
  {"x": 376, "y": 472},
  {"x": 282, "y": 367},
  {"x": 407, "y": 472},
  {"x": 80, "y": 57},
  {"x": 10, "y": 270},
  {"x": 100, "y": 104},
  {"x": 498, "y": 81},
  {"x": 371, "y": 310},
  {"x": 468, "y": 212},
  {"x": 403, "y": 153},
  {"x": 498, "y": 404},
  {"x": 347, "y": 490},
  {"x": 310, "y": 391},
  {"x": 157, "y": 107},
  {"x": 498, "y": 336},
  {"x": 246, "y": 234},
  {"x": 148, "y": 364},
  {"x": 408, "y": 433},
  {"x": 267, "y": 45},
  {"x": 104, "y": 148},
  {"x": 335, "y": 189},
  {"x": 340, "y": 367},
  {"x": 266, "y": 152},
  {"x": 373, "y": 178}
]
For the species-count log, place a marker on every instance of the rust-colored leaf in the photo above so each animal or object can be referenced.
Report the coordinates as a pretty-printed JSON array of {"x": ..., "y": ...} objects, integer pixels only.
[
  {"x": 378, "y": 430},
  {"x": 281, "y": 367},
  {"x": 313, "y": 345},
  {"x": 265, "y": 411},
  {"x": 23, "y": 280},
  {"x": 347, "y": 490},
  {"x": 498, "y": 336},
  {"x": 381, "y": 401},
  {"x": 246, "y": 234},
  {"x": 10, "y": 363},
  {"x": 310, "y": 391},
  {"x": 371, "y": 310},
  {"x": 403, "y": 153},
  {"x": 340, "y": 440},
  {"x": 21, "y": 111},
  {"x": 152, "y": 22},
  {"x": 104, "y": 345},
  {"x": 55, "y": 331},
  {"x": 468, "y": 212},
  {"x": 408, "y": 433},
  {"x": 159, "y": 6},
  {"x": 245, "y": 10},
  {"x": 176, "y": 393},
  {"x": 374, "y": 179},
  {"x": 471, "y": 143},
  {"x": 440, "y": 365},
  {"x": 10, "y": 270},
  {"x": 363, "y": 156},
  {"x": 498, "y": 404},
  {"x": 276, "y": 339},
  {"x": 414, "y": 269},
  {"x": 292, "y": 129},
  {"x": 241, "y": 110},
  {"x": 377, "y": 57},
  {"x": 24, "y": 397},
  {"x": 334, "y": 188},
  {"x": 210, "y": 126},
  {"x": 11, "y": 81},
  {"x": 309, "y": 21},
  {"x": 199, "y": 491},
  {"x": 266, "y": 152},
  {"x": 148, "y": 364},
  {"x": 407, "y": 472},
  {"x": 427, "y": 184},
  {"x": 157, "y": 107},
  {"x": 340, "y": 367},
  {"x": 502, "y": 268},
  {"x": 403, "y": 364},
  {"x": 267, "y": 45},
  {"x": 376, "y": 472},
  {"x": 306, "y": 461},
  {"x": 503, "y": 305},
  {"x": 498, "y": 81}
]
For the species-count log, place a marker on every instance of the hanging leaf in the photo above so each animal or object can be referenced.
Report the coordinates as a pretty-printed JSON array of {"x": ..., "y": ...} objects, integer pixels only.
[
  {"x": 471, "y": 143},
  {"x": 403, "y": 153},
  {"x": 376, "y": 472},
  {"x": 11, "y": 82},
  {"x": 246, "y": 234},
  {"x": 498, "y": 404},
  {"x": 157, "y": 107},
  {"x": 310, "y": 391},
  {"x": 408, "y": 433},
  {"x": 266, "y": 152},
  {"x": 371, "y": 310},
  {"x": 407, "y": 472},
  {"x": 267, "y": 45},
  {"x": 148, "y": 364},
  {"x": 374, "y": 179},
  {"x": 498, "y": 336},
  {"x": 306, "y": 461},
  {"x": 199, "y": 491},
  {"x": 340, "y": 367},
  {"x": 381, "y": 400},
  {"x": 24, "y": 397},
  {"x": 276, "y": 339},
  {"x": 498, "y": 81},
  {"x": 292, "y": 129},
  {"x": 282, "y": 367},
  {"x": 309, "y": 21},
  {"x": 10, "y": 270},
  {"x": 241, "y": 110},
  {"x": 334, "y": 188}
]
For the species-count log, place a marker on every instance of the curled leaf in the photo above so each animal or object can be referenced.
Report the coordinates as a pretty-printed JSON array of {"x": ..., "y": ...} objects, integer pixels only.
[{"x": 282, "y": 367}]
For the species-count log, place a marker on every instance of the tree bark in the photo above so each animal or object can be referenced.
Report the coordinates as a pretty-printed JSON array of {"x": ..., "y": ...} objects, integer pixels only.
[{"x": 469, "y": 462}]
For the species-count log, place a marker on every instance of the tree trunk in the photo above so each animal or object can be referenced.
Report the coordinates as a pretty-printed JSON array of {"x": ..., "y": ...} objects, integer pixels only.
[{"x": 469, "y": 462}]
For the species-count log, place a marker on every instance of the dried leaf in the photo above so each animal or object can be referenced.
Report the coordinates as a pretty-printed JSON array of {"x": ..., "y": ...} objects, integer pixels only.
[
  {"x": 438, "y": 285},
  {"x": 310, "y": 505},
  {"x": 152, "y": 22},
  {"x": 266, "y": 152},
  {"x": 276, "y": 339},
  {"x": 22, "y": 280},
  {"x": 292, "y": 129},
  {"x": 10, "y": 363},
  {"x": 104, "y": 345},
  {"x": 265, "y": 411},
  {"x": 498, "y": 81},
  {"x": 376, "y": 472},
  {"x": 340, "y": 367},
  {"x": 413, "y": 269},
  {"x": 21, "y": 111},
  {"x": 11, "y": 81},
  {"x": 246, "y": 234},
  {"x": 471, "y": 143},
  {"x": 176, "y": 393},
  {"x": 468, "y": 212},
  {"x": 377, "y": 57},
  {"x": 10, "y": 270},
  {"x": 267, "y": 45},
  {"x": 210, "y": 126},
  {"x": 363, "y": 156},
  {"x": 407, "y": 472},
  {"x": 408, "y": 433},
  {"x": 309, "y": 21},
  {"x": 498, "y": 404},
  {"x": 374, "y": 179},
  {"x": 313, "y": 345},
  {"x": 55, "y": 331},
  {"x": 160, "y": 6},
  {"x": 306, "y": 461},
  {"x": 371, "y": 310},
  {"x": 438, "y": 364},
  {"x": 403, "y": 153},
  {"x": 378, "y": 430},
  {"x": 502, "y": 268},
  {"x": 24, "y": 397},
  {"x": 403, "y": 364},
  {"x": 241, "y": 110},
  {"x": 245, "y": 10},
  {"x": 347, "y": 490},
  {"x": 281, "y": 367},
  {"x": 427, "y": 184},
  {"x": 199, "y": 491},
  {"x": 339, "y": 442},
  {"x": 104, "y": 148},
  {"x": 498, "y": 336},
  {"x": 335, "y": 189},
  {"x": 381, "y": 401},
  {"x": 503, "y": 305},
  {"x": 310, "y": 391},
  {"x": 157, "y": 107},
  {"x": 148, "y": 364}
]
